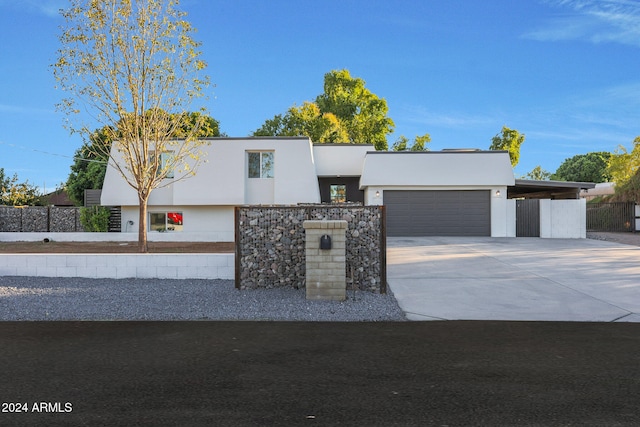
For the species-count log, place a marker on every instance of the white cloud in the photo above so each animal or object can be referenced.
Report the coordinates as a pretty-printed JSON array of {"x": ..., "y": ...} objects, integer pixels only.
[{"x": 596, "y": 21}]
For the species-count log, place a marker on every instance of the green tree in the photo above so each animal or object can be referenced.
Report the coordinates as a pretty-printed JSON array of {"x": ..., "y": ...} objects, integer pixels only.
[
  {"x": 135, "y": 68},
  {"x": 89, "y": 165},
  {"x": 623, "y": 165},
  {"x": 628, "y": 191},
  {"x": 509, "y": 140},
  {"x": 363, "y": 113},
  {"x": 590, "y": 167},
  {"x": 204, "y": 125},
  {"x": 419, "y": 143},
  {"x": 306, "y": 120},
  {"x": 346, "y": 112},
  {"x": 14, "y": 193},
  {"x": 538, "y": 174}
]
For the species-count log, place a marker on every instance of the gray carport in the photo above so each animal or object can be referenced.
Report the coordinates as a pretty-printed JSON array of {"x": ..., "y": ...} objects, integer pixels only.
[{"x": 532, "y": 189}]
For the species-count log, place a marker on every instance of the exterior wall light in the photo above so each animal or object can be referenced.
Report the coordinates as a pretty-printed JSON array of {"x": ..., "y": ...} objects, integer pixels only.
[
  {"x": 497, "y": 193},
  {"x": 377, "y": 194}
]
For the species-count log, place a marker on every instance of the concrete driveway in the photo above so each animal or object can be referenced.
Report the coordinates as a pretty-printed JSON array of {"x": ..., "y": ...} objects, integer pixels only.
[{"x": 484, "y": 278}]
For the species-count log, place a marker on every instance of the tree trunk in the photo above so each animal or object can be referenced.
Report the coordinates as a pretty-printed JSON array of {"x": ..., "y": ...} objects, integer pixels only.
[{"x": 143, "y": 246}]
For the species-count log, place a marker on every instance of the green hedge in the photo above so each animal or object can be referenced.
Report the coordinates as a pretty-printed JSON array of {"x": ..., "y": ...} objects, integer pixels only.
[{"x": 95, "y": 218}]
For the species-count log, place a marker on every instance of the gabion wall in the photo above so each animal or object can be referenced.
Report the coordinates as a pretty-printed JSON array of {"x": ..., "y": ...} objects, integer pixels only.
[
  {"x": 40, "y": 219},
  {"x": 270, "y": 245}
]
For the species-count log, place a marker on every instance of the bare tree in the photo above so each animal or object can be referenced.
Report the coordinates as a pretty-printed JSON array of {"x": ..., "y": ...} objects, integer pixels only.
[{"x": 133, "y": 66}]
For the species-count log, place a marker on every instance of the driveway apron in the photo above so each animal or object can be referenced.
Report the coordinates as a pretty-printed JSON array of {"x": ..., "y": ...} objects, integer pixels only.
[{"x": 485, "y": 278}]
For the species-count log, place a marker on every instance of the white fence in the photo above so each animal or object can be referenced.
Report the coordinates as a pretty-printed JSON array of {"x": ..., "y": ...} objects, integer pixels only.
[
  {"x": 563, "y": 219},
  {"x": 559, "y": 219}
]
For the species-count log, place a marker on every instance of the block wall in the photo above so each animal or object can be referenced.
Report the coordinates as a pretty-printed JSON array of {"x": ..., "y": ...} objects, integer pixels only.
[{"x": 325, "y": 268}]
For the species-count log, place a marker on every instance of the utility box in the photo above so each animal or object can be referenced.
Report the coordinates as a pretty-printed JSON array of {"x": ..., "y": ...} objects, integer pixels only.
[{"x": 325, "y": 252}]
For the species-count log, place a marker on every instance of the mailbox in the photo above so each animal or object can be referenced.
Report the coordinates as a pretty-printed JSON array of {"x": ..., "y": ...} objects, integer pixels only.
[{"x": 325, "y": 242}]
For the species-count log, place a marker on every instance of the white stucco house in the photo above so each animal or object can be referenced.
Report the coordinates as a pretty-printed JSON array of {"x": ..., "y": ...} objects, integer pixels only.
[{"x": 450, "y": 192}]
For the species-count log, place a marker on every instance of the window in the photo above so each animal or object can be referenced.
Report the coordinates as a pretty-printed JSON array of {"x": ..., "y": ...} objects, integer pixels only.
[
  {"x": 165, "y": 221},
  {"x": 261, "y": 164},
  {"x": 338, "y": 193},
  {"x": 165, "y": 159}
]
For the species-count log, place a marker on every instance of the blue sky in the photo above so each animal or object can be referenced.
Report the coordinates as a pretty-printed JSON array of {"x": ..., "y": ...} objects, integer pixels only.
[{"x": 566, "y": 73}]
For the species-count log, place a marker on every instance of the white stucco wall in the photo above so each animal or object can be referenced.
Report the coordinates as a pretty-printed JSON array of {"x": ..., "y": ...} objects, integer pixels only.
[
  {"x": 295, "y": 175},
  {"x": 501, "y": 213},
  {"x": 222, "y": 180},
  {"x": 511, "y": 218},
  {"x": 563, "y": 219},
  {"x": 340, "y": 159},
  {"x": 437, "y": 168},
  {"x": 214, "y": 222}
]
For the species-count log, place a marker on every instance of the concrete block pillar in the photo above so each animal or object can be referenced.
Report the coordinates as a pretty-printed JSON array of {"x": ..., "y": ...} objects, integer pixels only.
[{"x": 325, "y": 268}]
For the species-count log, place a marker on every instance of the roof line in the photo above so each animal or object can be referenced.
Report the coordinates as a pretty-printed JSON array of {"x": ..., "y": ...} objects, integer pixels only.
[
  {"x": 439, "y": 152},
  {"x": 341, "y": 144}
]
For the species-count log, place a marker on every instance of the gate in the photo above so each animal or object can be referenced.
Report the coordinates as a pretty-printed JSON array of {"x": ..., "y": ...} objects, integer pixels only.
[
  {"x": 611, "y": 216},
  {"x": 528, "y": 218}
]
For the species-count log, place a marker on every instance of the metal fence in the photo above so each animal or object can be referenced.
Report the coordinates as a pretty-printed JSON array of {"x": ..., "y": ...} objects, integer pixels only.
[
  {"x": 528, "y": 218},
  {"x": 611, "y": 216}
]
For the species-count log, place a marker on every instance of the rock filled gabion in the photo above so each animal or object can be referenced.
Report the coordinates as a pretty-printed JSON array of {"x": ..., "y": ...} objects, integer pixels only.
[
  {"x": 271, "y": 244},
  {"x": 64, "y": 219},
  {"x": 271, "y": 247},
  {"x": 10, "y": 219},
  {"x": 40, "y": 219},
  {"x": 35, "y": 218}
]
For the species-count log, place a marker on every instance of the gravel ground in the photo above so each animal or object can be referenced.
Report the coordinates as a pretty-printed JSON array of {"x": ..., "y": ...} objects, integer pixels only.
[{"x": 38, "y": 298}]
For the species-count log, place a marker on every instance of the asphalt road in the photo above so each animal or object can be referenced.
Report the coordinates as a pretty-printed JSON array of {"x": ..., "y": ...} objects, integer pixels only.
[{"x": 453, "y": 373}]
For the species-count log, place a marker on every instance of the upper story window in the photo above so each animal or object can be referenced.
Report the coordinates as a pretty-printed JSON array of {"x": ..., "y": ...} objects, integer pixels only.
[
  {"x": 260, "y": 164},
  {"x": 166, "y": 158}
]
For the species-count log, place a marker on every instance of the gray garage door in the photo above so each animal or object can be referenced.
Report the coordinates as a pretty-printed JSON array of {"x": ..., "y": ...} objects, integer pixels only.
[{"x": 438, "y": 213}]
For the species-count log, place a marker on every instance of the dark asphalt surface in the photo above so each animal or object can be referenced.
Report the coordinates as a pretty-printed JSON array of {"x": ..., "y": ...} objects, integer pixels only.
[{"x": 320, "y": 374}]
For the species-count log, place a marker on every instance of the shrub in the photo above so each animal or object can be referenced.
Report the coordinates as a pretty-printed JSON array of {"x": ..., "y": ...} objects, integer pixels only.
[{"x": 95, "y": 218}]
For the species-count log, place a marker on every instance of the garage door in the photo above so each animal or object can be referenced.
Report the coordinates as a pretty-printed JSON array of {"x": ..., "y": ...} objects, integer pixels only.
[{"x": 438, "y": 213}]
